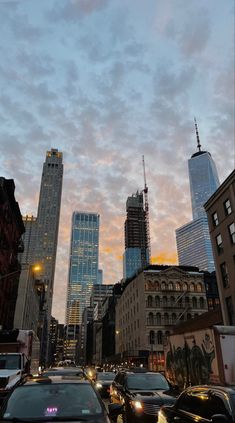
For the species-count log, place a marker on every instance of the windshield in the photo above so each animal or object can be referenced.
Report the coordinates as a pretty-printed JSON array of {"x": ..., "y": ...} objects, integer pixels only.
[
  {"x": 105, "y": 376},
  {"x": 146, "y": 381},
  {"x": 63, "y": 373},
  {"x": 47, "y": 400},
  {"x": 10, "y": 362}
]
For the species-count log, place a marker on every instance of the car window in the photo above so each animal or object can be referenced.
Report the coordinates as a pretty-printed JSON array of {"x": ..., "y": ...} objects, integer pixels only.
[
  {"x": 105, "y": 376},
  {"x": 195, "y": 403},
  {"x": 52, "y": 400},
  {"x": 146, "y": 381},
  {"x": 216, "y": 405}
]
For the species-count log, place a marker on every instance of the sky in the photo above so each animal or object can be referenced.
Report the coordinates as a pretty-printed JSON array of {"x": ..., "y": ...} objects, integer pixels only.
[{"x": 105, "y": 82}]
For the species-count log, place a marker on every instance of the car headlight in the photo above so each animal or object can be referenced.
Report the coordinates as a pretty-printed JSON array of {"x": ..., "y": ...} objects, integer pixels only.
[
  {"x": 137, "y": 405},
  {"x": 98, "y": 385}
]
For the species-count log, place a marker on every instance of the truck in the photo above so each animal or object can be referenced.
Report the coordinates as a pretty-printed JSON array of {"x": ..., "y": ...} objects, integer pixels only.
[
  {"x": 205, "y": 356},
  {"x": 19, "y": 357}
]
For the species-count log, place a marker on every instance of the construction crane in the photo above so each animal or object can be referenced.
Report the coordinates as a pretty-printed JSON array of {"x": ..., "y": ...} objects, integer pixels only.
[{"x": 146, "y": 207}]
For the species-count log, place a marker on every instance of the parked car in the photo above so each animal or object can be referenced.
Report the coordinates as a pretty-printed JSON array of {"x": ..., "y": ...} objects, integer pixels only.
[
  {"x": 102, "y": 382},
  {"x": 141, "y": 395},
  {"x": 55, "y": 399},
  {"x": 65, "y": 371},
  {"x": 204, "y": 404}
]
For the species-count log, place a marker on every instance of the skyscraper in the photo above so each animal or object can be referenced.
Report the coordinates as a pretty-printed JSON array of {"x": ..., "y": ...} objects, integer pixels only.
[
  {"x": 48, "y": 219},
  {"x": 193, "y": 239},
  {"x": 136, "y": 255},
  {"x": 83, "y": 267}
]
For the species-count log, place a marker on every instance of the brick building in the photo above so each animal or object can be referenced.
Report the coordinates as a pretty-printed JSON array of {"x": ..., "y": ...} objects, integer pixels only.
[{"x": 11, "y": 230}]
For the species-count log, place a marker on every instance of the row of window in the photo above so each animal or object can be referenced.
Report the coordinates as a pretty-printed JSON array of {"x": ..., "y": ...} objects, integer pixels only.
[
  {"x": 219, "y": 241},
  {"x": 150, "y": 285},
  {"x": 173, "y": 302},
  {"x": 227, "y": 211},
  {"x": 166, "y": 318}
]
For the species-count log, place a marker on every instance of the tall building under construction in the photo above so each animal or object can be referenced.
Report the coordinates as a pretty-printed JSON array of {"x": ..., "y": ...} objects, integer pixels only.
[{"x": 137, "y": 244}]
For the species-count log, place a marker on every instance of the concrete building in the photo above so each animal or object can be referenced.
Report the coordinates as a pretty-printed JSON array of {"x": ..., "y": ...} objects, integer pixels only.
[
  {"x": 48, "y": 222},
  {"x": 83, "y": 265},
  {"x": 28, "y": 300},
  {"x": 192, "y": 239},
  {"x": 220, "y": 210},
  {"x": 11, "y": 231},
  {"x": 98, "y": 295},
  {"x": 71, "y": 342},
  {"x": 151, "y": 304},
  {"x": 137, "y": 248},
  {"x": 29, "y": 240}
]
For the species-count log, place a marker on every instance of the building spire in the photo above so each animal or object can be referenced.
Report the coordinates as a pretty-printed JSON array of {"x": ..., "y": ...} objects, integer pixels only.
[{"x": 197, "y": 134}]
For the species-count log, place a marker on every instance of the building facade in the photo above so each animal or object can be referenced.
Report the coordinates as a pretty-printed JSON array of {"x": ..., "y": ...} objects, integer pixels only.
[
  {"x": 29, "y": 240},
  {"x": 193, "y": 239},
  {"x": 98, "y": 295},
  {"x": 136, "y": 255},
  {"x": 151, "y": 304},
  {"x": 220, "y": 210},
  {"x": 28, "y": 300},
  {"x": 194, "y": 245},
  {"x": 11, "y": 231},
  {"x": 83, "y": 266},
  {"x": 48, "y": 221}
]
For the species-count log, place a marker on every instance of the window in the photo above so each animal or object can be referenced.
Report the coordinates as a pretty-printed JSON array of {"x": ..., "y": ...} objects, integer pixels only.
[
  {"x": 201, "y": 302},
  {"x": 216, "y": 405},
  {"x": 170, "y": 286},
  {"x": 150, "y": 301},
  {"x": 150, "y": 319},
  {"x": 215, "y": 219},
  {"x": 157, "y": 301},
  {"x": 219, "y": 244},
  {"x": 199, "y": 287},
  {"x": 151, "y": 337},
  {"x": 185, "y": 287},
  {"x": 159, "y": 319},
  {"x": 231, "y": 229},
  {"x": 230, "y": 310},
  {"x": 159, "y": 337},
  {"x": 224, "y": 274},
  {"x": 227, "y": 207},
  {"x": 195, "y": 403},
  {"x": 177, "y": 286}
]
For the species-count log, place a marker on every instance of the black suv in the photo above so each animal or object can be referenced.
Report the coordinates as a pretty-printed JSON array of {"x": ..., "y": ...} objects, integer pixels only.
[
  {"x": 204, "y": 404},
  {"x": 141, "y": 395}
]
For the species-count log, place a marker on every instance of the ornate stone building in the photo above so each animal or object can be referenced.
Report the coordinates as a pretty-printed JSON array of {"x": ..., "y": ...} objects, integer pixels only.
[{"x": 152, "y": 303}]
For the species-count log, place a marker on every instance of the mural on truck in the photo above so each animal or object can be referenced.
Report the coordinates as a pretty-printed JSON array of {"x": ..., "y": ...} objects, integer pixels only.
[{"x": 190, "y": 358}]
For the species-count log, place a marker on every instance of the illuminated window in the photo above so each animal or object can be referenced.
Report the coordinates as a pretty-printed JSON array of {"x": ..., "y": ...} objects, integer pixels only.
[
  {"x": 219, "y": 244},
  {"x": 231, "y": 229},
  {"x": 224, "y": 274},
  {"x": 227, "y": 207},
  {"x": 215, "y": 219}
]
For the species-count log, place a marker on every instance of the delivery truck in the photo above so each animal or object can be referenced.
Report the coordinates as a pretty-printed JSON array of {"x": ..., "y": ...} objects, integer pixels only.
[
  {"x": 205, "y": 356},
  {"x": 19, "y": 357}
]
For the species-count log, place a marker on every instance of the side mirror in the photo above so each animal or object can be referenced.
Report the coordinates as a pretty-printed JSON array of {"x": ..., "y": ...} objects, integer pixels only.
[
  {"x": 219, "y": 418},
  {"x": 115, "y": 410}
]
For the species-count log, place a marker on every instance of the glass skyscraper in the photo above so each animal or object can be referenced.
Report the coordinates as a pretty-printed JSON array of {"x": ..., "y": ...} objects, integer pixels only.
[
  {"x": 193, "y": 239},
  {"x": 204, "y": 181},
  {"x": 83, "y": 266},
  {"x": 136, "y": 255}
]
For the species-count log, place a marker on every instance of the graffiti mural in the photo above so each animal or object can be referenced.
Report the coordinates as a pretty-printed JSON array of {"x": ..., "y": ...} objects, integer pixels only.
[{"x": 192, "y": 362}]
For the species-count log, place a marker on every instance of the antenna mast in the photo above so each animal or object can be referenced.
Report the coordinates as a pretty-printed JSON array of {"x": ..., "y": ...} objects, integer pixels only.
[
  {"x": 197, "y": 134},
  {"x": 146, "y": 206}
]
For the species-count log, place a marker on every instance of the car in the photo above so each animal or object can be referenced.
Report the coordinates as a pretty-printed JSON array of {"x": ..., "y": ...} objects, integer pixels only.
[
  {"x": 141, "y": 395},
  {"x": 102, "y": 383},
  {"x": 46, "y": 399},
  {"x": 65, "y": 371},
  {"x": 204, "y": 404}
]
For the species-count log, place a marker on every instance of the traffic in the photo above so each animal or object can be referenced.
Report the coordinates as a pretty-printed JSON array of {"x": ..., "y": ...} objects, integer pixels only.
[
  {"x": 133, "y": 395},
  {"x": 112, "y": 394}
]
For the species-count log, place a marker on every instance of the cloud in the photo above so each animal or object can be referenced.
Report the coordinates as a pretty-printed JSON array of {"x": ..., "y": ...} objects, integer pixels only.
[{"x": 73, "y": 10}]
